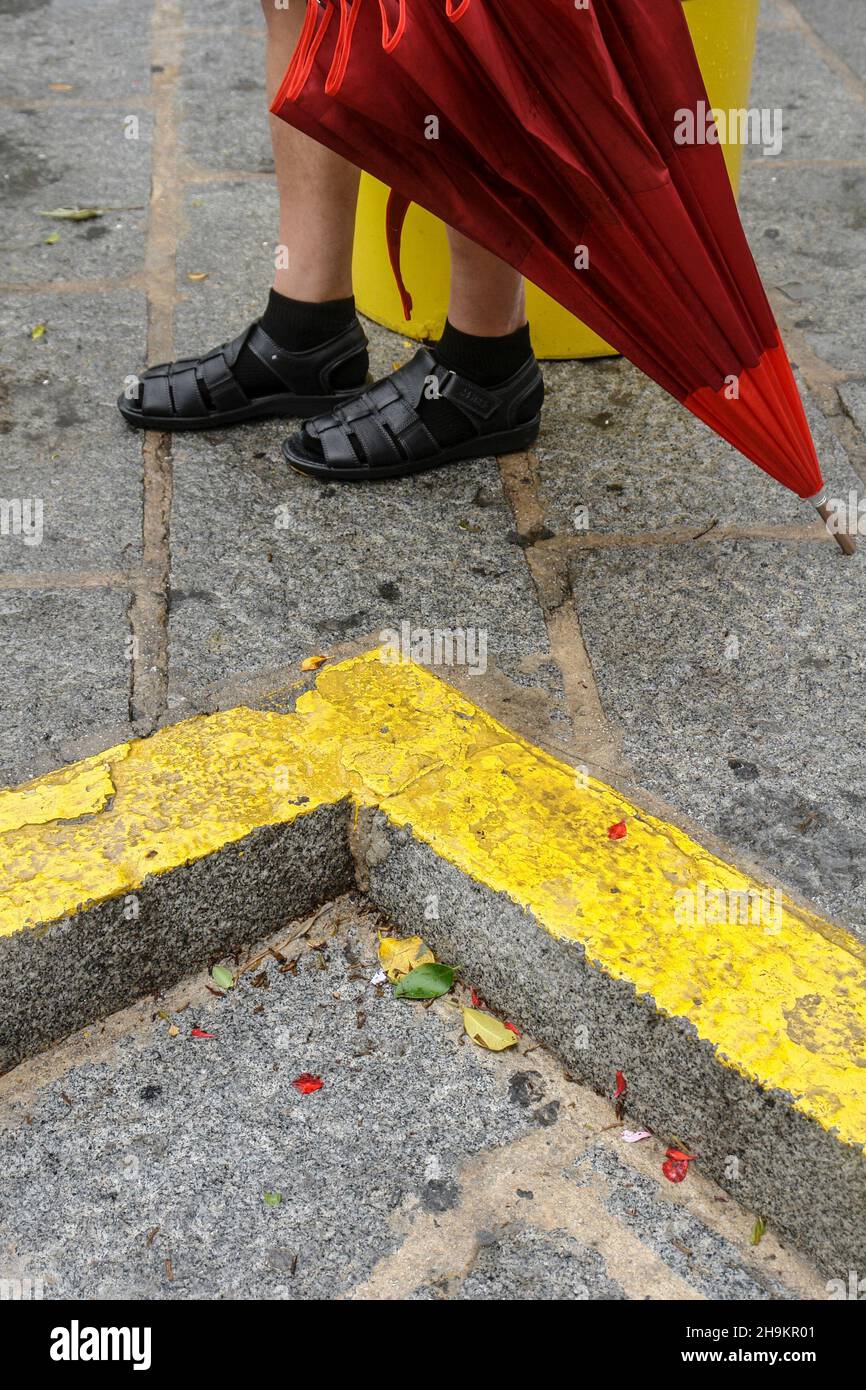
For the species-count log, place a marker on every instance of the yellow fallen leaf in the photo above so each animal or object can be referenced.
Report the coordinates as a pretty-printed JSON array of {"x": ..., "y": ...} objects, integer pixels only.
[
  {"x": 51, "y": 239},
  {"x": 196, "y": 275},
  {"x": 312, "y": 663},
  {"x": 487, "y": 1031},
  {"x": 37, "y": 332},
  {"x": 400, "y": 954}
]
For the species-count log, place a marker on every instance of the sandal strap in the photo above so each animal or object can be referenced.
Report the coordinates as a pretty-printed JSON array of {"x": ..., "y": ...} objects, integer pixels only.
[
  {"x": 215, "y": 372},
  {"x": 311, "y": 372},
  {"x": 182, "y": 388}
]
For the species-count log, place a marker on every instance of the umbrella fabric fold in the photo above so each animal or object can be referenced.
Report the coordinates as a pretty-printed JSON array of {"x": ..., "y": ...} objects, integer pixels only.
[{"x": 554, "y": 145}]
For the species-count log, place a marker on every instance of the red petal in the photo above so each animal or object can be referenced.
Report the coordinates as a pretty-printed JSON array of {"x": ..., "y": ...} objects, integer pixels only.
[
  {"x": 618, "y": 831},
  {"x": 197, "y": 1033},
  {"x": 306, "y": 1083},
  {"x": 511, "y": 1027},
  {"x": 621, "y": 1086},
  {"x": 475, "y": 1000},
  {"x": 674, "y": 1169},
  {"x": 680, "y": 1156}
]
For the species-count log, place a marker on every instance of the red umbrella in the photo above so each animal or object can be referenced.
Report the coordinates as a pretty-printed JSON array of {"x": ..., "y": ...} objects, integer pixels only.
[{"x": 557, "y": 151}]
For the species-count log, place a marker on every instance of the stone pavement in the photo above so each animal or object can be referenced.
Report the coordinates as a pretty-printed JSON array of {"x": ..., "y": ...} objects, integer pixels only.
[
  {"x": 700, "y": 643},
  {"x": 135, "y": 1161}
]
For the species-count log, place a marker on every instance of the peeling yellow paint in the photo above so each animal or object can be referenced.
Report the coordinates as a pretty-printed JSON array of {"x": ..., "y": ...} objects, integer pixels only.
[
  {"x": 81, "y": 789},
  {"x": 783, "y": 1000}
]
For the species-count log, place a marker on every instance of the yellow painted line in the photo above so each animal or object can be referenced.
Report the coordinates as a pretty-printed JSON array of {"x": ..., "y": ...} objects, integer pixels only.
[{"x": 782, "y": 999}]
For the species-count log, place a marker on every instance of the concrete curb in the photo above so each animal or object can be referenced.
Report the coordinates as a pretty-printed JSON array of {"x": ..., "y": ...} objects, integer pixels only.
[{"x": 742, "y": 1039}]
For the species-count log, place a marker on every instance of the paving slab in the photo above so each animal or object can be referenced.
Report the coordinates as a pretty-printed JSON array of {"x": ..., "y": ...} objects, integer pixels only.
[
  {"x": 63, "y": 440},
  {"x": 732, "y": 673},
  {"x": 839, "y": 24},
  {"x": 807, "y": 227},
  {"x": 136, "y": 1158},
  {"x": 231, "y": 131},
  {"x": 72, "y": 156},
  {"x": 617, "y": 454},
  {"x": 821, "y": 117},
  {"x": 268, "y": 568},
  {"x": 230, "y": 235},
  {"x": 65, "y": 675},
  {"x": 853, "y": 396},
  {"x": 70, "y": 41}
]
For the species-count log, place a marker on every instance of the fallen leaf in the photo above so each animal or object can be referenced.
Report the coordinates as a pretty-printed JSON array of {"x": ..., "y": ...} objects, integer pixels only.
[
  {"x": 173, "y": 1031},
  {"x": 618, "y": 831},
  {"x": 37, "y": 332},
  {"x": 426, "y": 982},
  {"x": 74, "y": 214},
  {"x": 400, "y": 954},
  {"x": 312, "y": 663},
  {"x": 52, "y": 239},
  {"x": 169, "y": 1271},
  {"x": 198, "y": 1033},
  {"x": 306, "y": 1083},
  {"x": 223, "y": 977},
  {"x": 196, "y": 275},
  {"x": 272, "y": 1199},
  {"x": 60, "y": 87},
  {"x": 634, "y": 1136},
  {"x": 758, "y": 1230},
  {"x": 487, "y": 1031}
]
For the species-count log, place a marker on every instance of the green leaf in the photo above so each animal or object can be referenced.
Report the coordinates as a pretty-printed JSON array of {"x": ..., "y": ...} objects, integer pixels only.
[
  {"x": 272, "y": 1199},
  {"x": 223, "y": 977},
  {"x": 52, "y": 239},
  {"x": 425, "y": 982},
  {"x": 758, "y": 1230}
]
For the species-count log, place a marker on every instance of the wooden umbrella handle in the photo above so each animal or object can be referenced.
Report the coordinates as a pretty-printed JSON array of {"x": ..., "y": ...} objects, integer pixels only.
[{"x": 843, "y": 539}]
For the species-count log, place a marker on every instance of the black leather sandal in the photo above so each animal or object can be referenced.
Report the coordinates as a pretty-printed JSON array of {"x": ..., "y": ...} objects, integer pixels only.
[
  {"x": 201, "y": 393},
  {"x": 381, "y": 435}
]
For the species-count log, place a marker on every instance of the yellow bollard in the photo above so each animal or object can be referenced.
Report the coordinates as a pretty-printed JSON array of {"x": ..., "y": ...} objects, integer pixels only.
[{"x": 724, "y": 33}]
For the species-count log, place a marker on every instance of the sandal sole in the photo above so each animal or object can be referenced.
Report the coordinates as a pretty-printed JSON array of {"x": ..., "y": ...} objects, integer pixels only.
[
  {"x": 508, "y": 442},
  {"x": 269, "y": 407}
]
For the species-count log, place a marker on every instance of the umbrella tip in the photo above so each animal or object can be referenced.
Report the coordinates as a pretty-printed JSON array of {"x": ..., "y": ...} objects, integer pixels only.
[{"x": 843, "y": 539}]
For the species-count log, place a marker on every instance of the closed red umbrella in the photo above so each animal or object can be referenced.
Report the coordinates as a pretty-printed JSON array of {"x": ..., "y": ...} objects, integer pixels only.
[{"x": 556, "y": 150}]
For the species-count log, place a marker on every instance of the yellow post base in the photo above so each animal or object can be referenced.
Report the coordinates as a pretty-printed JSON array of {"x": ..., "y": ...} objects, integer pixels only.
[{"x": 724, "y": 33}]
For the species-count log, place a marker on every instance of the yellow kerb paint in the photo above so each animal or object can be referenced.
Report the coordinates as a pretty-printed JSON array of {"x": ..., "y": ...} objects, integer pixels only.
[{"x": 783, "y": 1000}]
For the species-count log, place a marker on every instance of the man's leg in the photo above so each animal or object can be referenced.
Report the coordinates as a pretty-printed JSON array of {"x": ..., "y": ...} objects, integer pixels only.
[
  {"x": 315, "y": 350},
  {"x": 318, "y": 190},
  {"x": 488, "y": 298}
]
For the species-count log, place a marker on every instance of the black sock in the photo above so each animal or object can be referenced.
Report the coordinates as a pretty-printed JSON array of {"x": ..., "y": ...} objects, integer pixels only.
[
  {"x": 297, "y": 325},
  {"x": 486, "y": 361}
]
